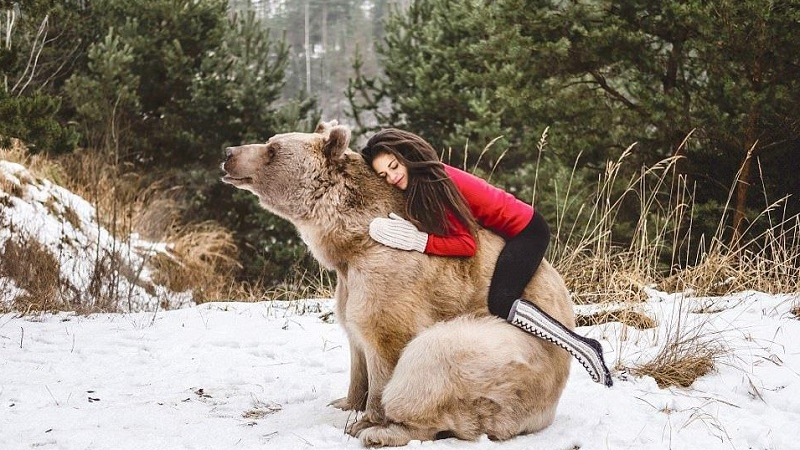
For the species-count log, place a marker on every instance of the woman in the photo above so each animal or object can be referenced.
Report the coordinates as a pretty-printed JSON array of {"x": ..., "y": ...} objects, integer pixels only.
[{"x": 444, "y": 206}]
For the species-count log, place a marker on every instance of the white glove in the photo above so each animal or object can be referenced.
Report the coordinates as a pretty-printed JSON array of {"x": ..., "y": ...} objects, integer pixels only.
[{"x": 397, "y": 232}]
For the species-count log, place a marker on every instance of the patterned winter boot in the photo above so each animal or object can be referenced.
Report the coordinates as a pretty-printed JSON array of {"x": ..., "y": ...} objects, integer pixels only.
[{"x": 587, "y": 351}]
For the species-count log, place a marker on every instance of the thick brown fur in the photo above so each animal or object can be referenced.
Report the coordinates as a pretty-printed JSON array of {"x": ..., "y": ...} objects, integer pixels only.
[{"x": 426, "y": 356}]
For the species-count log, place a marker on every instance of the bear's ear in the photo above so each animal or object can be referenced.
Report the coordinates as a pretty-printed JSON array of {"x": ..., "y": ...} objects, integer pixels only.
[
  {"x": 338, "y": 140},
  {"x": 325, "y": 127}
]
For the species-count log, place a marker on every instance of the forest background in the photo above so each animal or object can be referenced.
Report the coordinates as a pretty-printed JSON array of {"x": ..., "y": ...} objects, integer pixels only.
[{"x": 656, "y": 137}]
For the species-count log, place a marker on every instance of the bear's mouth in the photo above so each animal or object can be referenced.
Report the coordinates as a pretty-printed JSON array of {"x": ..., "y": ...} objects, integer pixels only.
[{"x": 236, "y": 180}]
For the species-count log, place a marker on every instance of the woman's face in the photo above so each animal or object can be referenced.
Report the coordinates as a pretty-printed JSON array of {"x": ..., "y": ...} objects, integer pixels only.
[{"x": 390, "y": 169}]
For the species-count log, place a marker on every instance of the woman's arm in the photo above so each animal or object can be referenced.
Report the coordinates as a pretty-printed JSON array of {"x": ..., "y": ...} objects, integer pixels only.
[
  {"x": 399, "y": 233},
  {"x": 459, "y": 243}
]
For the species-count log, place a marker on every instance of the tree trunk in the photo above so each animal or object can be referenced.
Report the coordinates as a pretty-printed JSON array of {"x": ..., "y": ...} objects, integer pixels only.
[
  {"x": 308, "y": 52},
  {"x": 325, "y": 49},
  {"x": 744, "y": 180}
]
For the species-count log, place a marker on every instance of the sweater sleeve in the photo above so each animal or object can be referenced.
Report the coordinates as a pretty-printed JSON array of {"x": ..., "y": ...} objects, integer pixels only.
[{"x": 458, "y": 243}]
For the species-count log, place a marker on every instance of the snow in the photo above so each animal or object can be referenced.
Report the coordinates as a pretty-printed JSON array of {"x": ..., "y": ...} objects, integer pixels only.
[{"x": 260, "y": 375}]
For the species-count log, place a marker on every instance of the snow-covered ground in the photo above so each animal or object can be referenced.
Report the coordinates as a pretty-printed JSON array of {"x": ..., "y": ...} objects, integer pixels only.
[{"x": 260, "y": 375}]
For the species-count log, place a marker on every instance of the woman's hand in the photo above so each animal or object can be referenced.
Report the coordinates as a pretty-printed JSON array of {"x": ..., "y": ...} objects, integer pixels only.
[{"x": 397, "y": 232}]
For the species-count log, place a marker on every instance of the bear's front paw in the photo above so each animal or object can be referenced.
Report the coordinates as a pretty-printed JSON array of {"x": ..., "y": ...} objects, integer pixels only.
[
  {"x": 342, "y": 403},
  {"x": 360, "y": 425},
  {"x": 384, "y": 436},
  {"x": 346, "y": 404}
]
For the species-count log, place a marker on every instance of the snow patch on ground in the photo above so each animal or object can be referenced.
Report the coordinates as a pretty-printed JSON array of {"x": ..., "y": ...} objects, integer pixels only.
[{"x": 261, "y": 375}]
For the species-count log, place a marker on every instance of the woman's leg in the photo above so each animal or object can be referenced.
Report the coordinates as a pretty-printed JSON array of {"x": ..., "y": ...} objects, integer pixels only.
[
  {"x": 516, "y": 265},
  {"x": 529, "y": 317}
]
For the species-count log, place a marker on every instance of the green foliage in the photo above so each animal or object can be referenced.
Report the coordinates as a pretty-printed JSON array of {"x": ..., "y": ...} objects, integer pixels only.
[
  {"x": 105, "y": 97},
  {"x": 31, "y": 118},
  {"x": 241, "y": 82},
  {"x": 601, "y": 75},
  {"x": 165, "y": 85},
  {"x": 158, "y": 50},
  {"x": 27, "y": 111}
]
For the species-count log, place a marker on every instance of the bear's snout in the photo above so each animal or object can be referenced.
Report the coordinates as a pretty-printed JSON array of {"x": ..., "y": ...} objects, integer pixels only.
[
  {"x": 229, "y": 153},
  {"x": 236, "y": 170}
]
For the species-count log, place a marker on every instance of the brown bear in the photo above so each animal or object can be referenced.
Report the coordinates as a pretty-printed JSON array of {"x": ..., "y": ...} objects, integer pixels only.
[{"x": 426, "y": 355}]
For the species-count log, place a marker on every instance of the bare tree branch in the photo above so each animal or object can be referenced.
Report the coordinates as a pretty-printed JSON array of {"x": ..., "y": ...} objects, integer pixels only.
[
  {"x": 11, "y": 19},
  {"x": 33, "y": 58},
  {"x": 614, "y": 93}
]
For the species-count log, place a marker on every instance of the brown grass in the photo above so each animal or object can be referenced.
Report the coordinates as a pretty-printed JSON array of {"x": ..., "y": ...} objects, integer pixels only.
[
  {"x": 585, "y": 248},
  {"x": 261, "y": 409},
  {"x": 627, "y": 316},
  {"x": 10, "y": 189},
  {"x": 39, "y": 165},
  {"x": 34, "y": 269},
  {"x": 796, "y": 311},
  {"x": 305, "y": 285},
  {"x": 598, "y": 269},
  {"x": 681, "y": 361},
  {"x": 602, "y": 279},
  {"x": 715, "y": 275},
  {"x": 688, "y": 352},
  {"x": 115, "y": 193},
  {"x": 769, "y": 263},
  {"x": 202, "y": 259}
]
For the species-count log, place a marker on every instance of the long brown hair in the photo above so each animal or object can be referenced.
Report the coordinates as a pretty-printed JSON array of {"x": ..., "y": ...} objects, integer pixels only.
[{"x": 430, "y": 193}]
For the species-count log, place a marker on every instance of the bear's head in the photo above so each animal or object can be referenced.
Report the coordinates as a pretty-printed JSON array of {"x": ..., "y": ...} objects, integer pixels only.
[{"x": 293, "y": 172}]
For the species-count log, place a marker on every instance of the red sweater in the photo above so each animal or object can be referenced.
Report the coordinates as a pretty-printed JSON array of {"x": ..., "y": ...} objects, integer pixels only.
[{"x": 493, "y": 208}]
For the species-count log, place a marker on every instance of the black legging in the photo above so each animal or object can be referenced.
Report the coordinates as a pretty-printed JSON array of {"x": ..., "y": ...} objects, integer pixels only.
[{"x": 516, "y": 264}]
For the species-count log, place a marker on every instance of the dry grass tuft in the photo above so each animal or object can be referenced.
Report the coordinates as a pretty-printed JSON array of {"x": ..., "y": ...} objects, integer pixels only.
[
  {"x": 35, "y": 270},
  {"x": 681, "y": 363},
  {"x": 115, "y": 193},
  {"x": 39, "y": 165},
  {"x": 659, "y": 249},
  {"x": 602, "y": 279},
  {"x": 796, "y": 311},
  {"x": 596, "y": 267},
  {"x": 627, "y": 316},
  {"x": 716, "y": 275},
  {"x": 768, "y": 263},
  {"x": 305, "y": 285},
  {"x": 261, "y": 409},
  {"x": 202, "y": 259},
  {"x": 10, "y": 189},
  {"x": 688, "y": 353}
]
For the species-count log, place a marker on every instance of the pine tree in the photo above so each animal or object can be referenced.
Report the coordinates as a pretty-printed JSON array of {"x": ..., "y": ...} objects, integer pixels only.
[
  {"x": 28, "y": 110},
  {"x": 601, "y": 75}
]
